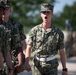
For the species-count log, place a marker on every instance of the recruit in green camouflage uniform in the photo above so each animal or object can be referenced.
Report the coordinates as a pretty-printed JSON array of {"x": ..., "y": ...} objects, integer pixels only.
[
  {"x": 17, "y": 30},
  {"x": 45, "y": 43}
]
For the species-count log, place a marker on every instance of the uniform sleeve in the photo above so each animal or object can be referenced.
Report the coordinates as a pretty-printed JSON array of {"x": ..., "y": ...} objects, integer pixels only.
[
  {"x": 61, "y": 41},
  {"x": 21, "y": 32},
  {"x": 31, "y": 37}
]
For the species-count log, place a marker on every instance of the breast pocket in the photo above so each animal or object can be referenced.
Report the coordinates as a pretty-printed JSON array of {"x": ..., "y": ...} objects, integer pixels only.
[
  {"x": 55, "y": 40},
  {"x": 38, "y": 37},
  {"x": 38, "y": 40}
]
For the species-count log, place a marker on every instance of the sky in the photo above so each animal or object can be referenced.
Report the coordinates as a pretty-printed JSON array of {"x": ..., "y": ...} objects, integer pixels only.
[{"x": 59, "y": 5}]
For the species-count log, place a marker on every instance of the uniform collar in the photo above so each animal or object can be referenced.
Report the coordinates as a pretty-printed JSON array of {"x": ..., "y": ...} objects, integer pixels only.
[{"x": 48, "y": 30}]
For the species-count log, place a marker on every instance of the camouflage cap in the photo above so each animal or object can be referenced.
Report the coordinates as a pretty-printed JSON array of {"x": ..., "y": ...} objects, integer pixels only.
[
  {"x": 47, "y": 7},
  {"x": 8, "y": 4},
  {"x": 2, "y": 4}
]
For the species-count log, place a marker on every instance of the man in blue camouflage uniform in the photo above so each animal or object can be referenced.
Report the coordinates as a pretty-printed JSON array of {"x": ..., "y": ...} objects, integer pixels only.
[
  {"x": 45, "y": 40},
  {"x": 18, "y": 43},
  {"x": 5, "y": 34}
]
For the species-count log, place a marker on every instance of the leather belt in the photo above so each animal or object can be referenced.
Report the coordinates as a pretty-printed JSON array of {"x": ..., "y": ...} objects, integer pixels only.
[{"x": 46, "y": 59}]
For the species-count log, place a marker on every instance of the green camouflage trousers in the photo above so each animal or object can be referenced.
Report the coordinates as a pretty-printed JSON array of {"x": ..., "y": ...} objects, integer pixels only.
[
  {"x": 35, "y": 71},
  {"x": 44, "y": 68}
]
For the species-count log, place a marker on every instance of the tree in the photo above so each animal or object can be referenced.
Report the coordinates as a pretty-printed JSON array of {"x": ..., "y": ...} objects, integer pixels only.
[
  {"x": 27, "y": 11},
  {"x": 69, "y": 13}
]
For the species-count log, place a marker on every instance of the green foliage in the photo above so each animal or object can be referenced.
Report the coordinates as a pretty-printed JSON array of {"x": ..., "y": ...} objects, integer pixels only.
[
  {"x": 69, "y": 13},
  {"x": 27, "y": 11}
]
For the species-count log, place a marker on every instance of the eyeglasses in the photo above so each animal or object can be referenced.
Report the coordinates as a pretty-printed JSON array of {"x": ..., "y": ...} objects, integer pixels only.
[{"x": 45, "y": 12}]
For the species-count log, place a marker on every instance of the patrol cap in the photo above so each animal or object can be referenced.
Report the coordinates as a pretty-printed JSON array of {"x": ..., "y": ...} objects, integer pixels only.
[
  {"x": 2, "y": 4},
  {"x": 47, "y": 7},
  {"x": 8, "y": 4}
]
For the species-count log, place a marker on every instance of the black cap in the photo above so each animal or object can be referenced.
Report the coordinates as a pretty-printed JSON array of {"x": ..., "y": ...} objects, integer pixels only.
[
  {"x": 8, "y": 4},
  {"x": 2, "y": 4}
]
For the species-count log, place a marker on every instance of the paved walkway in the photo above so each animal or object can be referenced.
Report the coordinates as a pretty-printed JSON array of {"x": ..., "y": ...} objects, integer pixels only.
[{"x": 71, "y": 65}]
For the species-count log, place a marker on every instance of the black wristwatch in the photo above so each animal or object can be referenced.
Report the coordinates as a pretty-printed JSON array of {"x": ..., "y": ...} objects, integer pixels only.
[{"x": 65, "y": 69}]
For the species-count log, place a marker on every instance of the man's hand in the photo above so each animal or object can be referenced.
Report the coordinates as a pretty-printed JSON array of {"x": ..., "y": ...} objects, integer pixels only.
[{"x": 18, "y": 68}]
